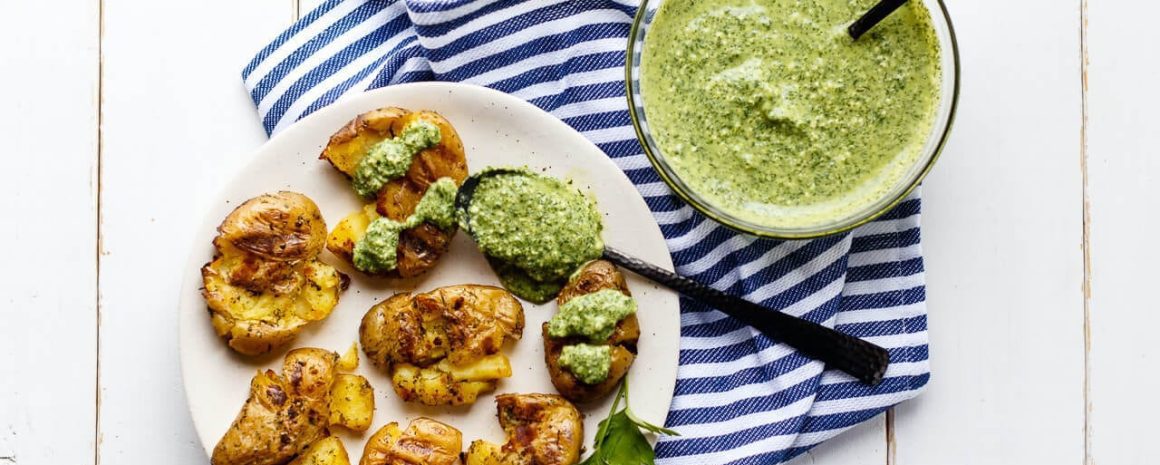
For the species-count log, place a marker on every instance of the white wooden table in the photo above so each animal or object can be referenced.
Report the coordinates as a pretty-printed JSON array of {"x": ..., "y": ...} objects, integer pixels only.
[{"x": 119, "y": 117}]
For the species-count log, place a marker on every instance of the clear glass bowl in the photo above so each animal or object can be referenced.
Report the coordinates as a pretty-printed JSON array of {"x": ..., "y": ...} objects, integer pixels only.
[{"x": 935, "y": 141}]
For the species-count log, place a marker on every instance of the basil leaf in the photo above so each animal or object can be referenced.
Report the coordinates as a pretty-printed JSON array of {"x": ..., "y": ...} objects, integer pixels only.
[
  {"x": 625, "y": 444},
  {"x": 619, "y": 440}
]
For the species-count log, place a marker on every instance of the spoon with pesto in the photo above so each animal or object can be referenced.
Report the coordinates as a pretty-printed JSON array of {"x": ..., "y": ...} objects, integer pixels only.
[{"x": 537, "y": 230}]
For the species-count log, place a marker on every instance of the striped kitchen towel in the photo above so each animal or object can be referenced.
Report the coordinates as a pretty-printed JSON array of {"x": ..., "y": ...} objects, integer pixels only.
[{"x": 741, "y": 397}]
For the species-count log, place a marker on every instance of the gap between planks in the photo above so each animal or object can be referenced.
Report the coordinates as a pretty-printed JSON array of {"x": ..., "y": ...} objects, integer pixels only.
[
  {"x": 890, "y": 442},
  {"x": 1087, "y": 255},
  {"x": 99, "y": 226}
]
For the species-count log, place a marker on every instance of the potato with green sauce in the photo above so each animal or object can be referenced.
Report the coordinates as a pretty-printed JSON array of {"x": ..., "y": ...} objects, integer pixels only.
[
  {"x": 600, "y": 337},
  {"x": 395, "y": 157}
]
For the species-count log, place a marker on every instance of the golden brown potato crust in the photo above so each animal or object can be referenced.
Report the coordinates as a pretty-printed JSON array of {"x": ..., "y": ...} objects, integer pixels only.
[
  {"x": 265, "y": 283},
  {"x": 284, "y": 414},
  {"x": 594, "y": 276},
  {"x": 419, "y": 247},
  {"x": 424, "y": 442},
  {"x": 542, "y": 429},
  {"x": 282, "y": 227},
  {"x": 443, "y": 346}
]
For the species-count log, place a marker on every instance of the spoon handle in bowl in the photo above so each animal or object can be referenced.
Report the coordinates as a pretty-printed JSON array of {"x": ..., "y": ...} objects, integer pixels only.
[{"x": 865, "y": 361}]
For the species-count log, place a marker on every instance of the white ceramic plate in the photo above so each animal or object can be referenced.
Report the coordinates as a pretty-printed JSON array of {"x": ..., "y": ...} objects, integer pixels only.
[{"x": 497, "y": 129}]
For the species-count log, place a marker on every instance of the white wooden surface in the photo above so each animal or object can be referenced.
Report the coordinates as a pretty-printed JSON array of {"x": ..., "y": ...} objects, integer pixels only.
[
  {"x": 48, "y": 295},
  {"x": 135, "y": 108},
  {"x": 1123, "y": 159}
]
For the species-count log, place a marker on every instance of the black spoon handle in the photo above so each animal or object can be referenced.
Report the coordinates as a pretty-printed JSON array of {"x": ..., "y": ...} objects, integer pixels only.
[
  {"x": 859, "y": 358},
  {"x": 876, "y": 14}
]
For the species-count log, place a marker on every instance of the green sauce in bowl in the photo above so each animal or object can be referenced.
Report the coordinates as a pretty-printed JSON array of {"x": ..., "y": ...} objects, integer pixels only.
[{"x": 771, "y": 113}]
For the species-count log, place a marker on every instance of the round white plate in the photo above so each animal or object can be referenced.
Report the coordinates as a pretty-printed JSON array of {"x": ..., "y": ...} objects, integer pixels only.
[{"x": 497, "y": 129}]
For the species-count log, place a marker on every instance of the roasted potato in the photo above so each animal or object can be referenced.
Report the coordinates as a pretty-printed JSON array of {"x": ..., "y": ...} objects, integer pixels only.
[
  {"x": 444, "y": 346},
  {"x": 542, "y": 429},
  {"x": 284, "y": 414},
  {"x": 419, "y": 247},
  {"x": 424, "y": 442},
  {"x": 328, "y": 451},
  {"x": 352, "y": 402},
  {"x": 594, "y": 276},
  {"x": 265, "y": 283},
  {"x": 349, "y": 359}
]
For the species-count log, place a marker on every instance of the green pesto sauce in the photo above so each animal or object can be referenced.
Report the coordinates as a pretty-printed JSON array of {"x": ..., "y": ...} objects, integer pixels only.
[
  {"x": 771, "y": 112},
  {"x": 542, "y": 228},
  {"x": 377, "y": 251},
  {"x": 593, "y": 316},
  {"x": 519, "y": 283},
  {"x": 391, "y": 158},
  {"x": 590, "y": 364}
]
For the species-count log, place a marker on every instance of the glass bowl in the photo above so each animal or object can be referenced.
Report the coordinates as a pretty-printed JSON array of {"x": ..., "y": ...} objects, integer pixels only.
[{"x": 935, "y": 140}]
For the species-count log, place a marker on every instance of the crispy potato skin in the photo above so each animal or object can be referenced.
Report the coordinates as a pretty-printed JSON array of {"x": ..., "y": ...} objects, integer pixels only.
[
  {"x": 265, "y": 283},
  {"x": 594, "y": 276},
  {"x": 419, "y": 247},
  {"x": 282, "y": 227},
  {"x": 349, "y": 144},
  {"x": 284, "y": 414},
  {"x": 542, "y": 429},
  {"x": 440, "y": 346},
  {"x": 424, "y": 442}
]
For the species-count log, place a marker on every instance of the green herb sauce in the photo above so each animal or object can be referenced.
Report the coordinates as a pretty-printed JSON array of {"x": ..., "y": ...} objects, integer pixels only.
[
  {"x": 593, "y": 315},
  {"x": 538, "y": 228},
  {"x": 771, "y": 112},
  {"x": 391, "y": 158},
  {"x": 377, "y": 251},
  {"x": 519, "y": 283},
  {"x": 590, "y": 364}
]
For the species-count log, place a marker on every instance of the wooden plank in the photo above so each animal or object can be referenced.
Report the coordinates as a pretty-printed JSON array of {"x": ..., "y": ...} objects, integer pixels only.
[
  {"x": 177, "y": 122},
  {"x": 49, "y": 300},
  {"x": 1123, "y": 171},
  {"x": 1003, "y": 233},
  {"x": 864, "y": 444}
]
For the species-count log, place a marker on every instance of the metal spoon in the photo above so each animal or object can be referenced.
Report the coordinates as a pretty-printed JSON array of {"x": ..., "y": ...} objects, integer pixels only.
[{"x": 865, "y": 361}]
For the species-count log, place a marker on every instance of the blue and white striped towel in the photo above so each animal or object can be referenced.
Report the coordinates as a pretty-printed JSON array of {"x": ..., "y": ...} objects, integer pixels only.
[{"x": 741, "y": 398}]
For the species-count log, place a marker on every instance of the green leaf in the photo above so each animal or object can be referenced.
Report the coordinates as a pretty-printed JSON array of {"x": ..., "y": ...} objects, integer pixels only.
[{"x": 619, "y": 440}]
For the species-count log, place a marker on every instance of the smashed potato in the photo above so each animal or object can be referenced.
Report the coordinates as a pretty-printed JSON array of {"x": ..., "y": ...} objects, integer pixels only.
[
  {"x": 444, "y": 346},
  {"x": 421, "y": 246},
  {"x": 595, "y": 276},
  {"x": 265, "y": 282},
  {"x": 284, "y": 414},
  {"x": 328, "y": 451},
  {"x": 352, "y": 402},
  {"x": 424, "y": 442},
  {"x": 542, "y": 429}
]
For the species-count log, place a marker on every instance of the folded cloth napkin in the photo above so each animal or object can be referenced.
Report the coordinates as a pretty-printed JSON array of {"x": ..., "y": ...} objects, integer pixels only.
[{"x": 740, "y": 397}]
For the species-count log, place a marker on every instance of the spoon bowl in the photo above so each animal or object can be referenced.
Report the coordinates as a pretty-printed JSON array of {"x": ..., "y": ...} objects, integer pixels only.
[{"x": 467, "y": 190}]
